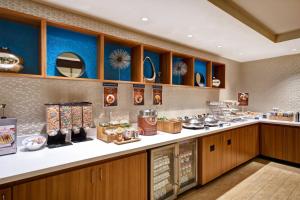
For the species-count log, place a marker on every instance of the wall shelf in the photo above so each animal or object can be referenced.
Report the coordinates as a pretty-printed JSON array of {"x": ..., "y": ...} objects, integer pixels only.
[
  {"x": 60, "y": 40},
  {"x": 201, "y": 66},
  {"x": 162, "y": 60},
  {"x": 21, "y": 35},
  {"x": 130, "y": 73},
  {"x": 48, "y": 39}
]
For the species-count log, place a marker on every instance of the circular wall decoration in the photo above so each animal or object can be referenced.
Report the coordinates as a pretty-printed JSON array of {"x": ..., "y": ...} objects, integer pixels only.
[
  {"x": 180, "y": 68},
  {"x": 119, "y": 59}
]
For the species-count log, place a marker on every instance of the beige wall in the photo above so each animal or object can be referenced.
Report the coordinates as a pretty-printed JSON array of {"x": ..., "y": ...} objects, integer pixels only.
[
  {"x": 26, "y": 97},
  {"x": 272, "y": 82}
]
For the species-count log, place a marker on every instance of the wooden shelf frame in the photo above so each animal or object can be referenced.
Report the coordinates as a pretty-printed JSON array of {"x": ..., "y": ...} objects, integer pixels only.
[
  {"x": 137, "y": 68},
  {"x": 188, "y": 78},
  {"x": 219, "y": 73}
]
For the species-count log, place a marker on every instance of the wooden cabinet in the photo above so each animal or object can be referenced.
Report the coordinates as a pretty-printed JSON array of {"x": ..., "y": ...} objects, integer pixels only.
[
  {"x": 280, "y": 142},
  {"x": 222, "y": 152},
  {"x": 124, "y": 178},
  {"x": 5, "y": 194},
  {"x": 230, "y": 147},
  {"x": 127, "y": 178},
  {"x": 248, "y": 143},
  {"x": 210, "y": 151},
  {"x": 272, "y": 141},
  {"x": 291, "y": 144}
]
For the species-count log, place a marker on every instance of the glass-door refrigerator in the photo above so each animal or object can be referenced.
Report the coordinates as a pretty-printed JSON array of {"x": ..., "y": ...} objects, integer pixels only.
[{"x": 173, "y": 170}]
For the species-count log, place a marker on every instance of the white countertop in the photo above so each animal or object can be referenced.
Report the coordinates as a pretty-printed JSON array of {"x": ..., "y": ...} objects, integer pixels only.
[{"x": 26, "y": 164}]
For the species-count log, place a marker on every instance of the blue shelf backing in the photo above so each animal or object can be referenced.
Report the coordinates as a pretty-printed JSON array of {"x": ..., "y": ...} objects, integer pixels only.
[
  {"x": 22, "y": 40},
  {"x": 177, "y": 79},
  {"x": 155, "y": 57},
  {"x": 200, "y": 67},
  {"x": 110, "y": 73},
  {"x": 85, "y": 46}
]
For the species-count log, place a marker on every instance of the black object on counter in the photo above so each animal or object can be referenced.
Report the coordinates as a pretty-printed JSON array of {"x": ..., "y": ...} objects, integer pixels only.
[
  {"x": 3, "y": 108},
  {"x": 80, "y": 137},
  {"x": 58, "y": 140}
]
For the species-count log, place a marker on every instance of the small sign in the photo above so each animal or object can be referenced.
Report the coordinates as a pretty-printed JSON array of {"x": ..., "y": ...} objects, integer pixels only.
[
  {"x": 110, "y": 94},
  {"x": 138, "y": 94},
  {"x": 243, "y": 98},
  {"x": 157, "y": 94}
]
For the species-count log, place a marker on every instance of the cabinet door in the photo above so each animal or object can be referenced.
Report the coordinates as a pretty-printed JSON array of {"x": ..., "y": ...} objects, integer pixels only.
[
  {"x": 272, "y": 137},
  {"x": 211, "y": 157},
  {"x": 127, "y": 178},
  {"x": 252, "y": 141},
  {"x": 102, "y": 186},
  {"x": 187, "y": 161},
  {"x": 5, "y": 194},
  {"x": 163, "y": 172},
  {"x": 229, "y": 150},
  {"x": 75, "y": 185},
  {"x": 292, "y": 144},
  {"x": 241, "y": 143},
  {"x": 33, "y": 190}
]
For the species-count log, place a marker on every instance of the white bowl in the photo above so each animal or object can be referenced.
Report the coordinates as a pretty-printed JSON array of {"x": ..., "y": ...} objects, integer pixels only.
[{"x": 33, "y": 143}]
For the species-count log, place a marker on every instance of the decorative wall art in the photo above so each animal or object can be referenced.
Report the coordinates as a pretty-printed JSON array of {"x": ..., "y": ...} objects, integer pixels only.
[
  {"x": 110, "y": 94},
  {"x": 216, "y": 82},
  {"x": 156, "y": 60},
  {"x": 153, "y": 77},
  {"x": 200, "y": 70},
  {"x": 157, "y": 94},
  {"x": 138, "y": 94},
  {"x": 70, "y": 65},
  {"x": 10, "y": 62},
  {"x": 119, "y": 59},
  {"x": 179, "y": 70},
  {"x": 199, "y": 80}
]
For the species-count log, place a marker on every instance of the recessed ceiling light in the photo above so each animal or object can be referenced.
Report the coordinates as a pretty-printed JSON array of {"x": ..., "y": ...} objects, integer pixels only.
[
  {"x": 219, "y": 46},
  {"x": 241, "y": 53},
  {"x": 294, "y": 49},
  {"x": 189, "y": 35},
  {"x": 145, "y": 19}
]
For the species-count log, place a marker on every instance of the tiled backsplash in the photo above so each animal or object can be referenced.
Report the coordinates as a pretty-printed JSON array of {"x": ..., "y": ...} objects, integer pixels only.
[
  {"x": 272, "y": 83},
  {"x": 25, "y": 97}
]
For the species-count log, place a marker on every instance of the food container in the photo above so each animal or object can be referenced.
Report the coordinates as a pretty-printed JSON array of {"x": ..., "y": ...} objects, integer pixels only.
[
  {"x": 8, "y": 136},
  {"x": 34, "y": 143},
  {"x": 87, "y": 115},
  {"x": 76, "y": 117},
  {"x": 52, "y": 118},
  {"x": 147, "y": 122},
  {"x": 65, "y": 117}
]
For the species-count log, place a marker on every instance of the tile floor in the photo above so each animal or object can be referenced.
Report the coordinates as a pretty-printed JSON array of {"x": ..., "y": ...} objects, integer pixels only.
[{"x": 255, "y": 180}]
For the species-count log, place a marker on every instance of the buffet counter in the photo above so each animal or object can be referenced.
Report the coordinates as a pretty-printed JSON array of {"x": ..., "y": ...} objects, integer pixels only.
[{"x": 25, "y": 164}]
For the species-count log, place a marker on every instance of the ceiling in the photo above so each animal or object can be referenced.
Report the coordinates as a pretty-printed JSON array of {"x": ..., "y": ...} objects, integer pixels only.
[
  {"x": 279, "y": 15},
  {"x": 212, "y": 29}
]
